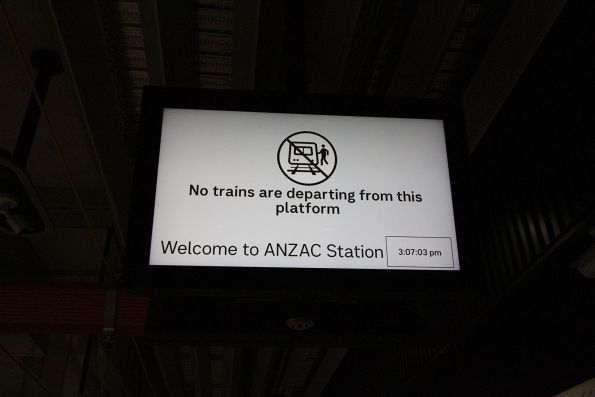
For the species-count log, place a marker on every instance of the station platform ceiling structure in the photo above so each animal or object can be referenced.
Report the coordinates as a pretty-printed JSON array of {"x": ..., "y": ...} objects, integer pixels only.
[{"x": 71, "y": 80}]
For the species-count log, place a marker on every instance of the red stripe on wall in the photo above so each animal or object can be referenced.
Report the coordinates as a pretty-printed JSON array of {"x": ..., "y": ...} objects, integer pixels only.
[{"x": 70, "y": 310}]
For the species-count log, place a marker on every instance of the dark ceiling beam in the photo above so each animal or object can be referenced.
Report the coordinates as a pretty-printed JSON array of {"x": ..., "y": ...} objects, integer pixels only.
[
  {"x": 330, "y": 48},
  {"x": 202, "y": 376},
  {"x": 246, "y": 15},
  {"x": 294, "y": 47},
  {"x": 280, "y": 56},
  {"x": 520, "y": 35},
  {"x": 231, "y": 371},
  {"x": 169, "y": 363},
  {"x": 149, "y": 17},
  {"x": 295, "y": 365},
  {"x": 88, "y": 64},
  {"x": 148, "y": 366},
  {"x": 60, "y": 359},
  {"x": 176, "y": 32},
  {"x": 430, "y": 31},
  {"x": 261, "y": 370},
  {"x": 267, "y": 76},
  {"x": 363, "y": 47},
  {"x": 328, "y": 364}
]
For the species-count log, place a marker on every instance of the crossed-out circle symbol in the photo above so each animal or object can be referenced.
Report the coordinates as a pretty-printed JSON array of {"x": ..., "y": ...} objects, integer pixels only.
[{"x": 307, "y": 158}]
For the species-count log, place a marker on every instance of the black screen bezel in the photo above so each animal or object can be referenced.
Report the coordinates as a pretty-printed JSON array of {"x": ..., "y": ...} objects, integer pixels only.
[{"x": 138, "y": 274}]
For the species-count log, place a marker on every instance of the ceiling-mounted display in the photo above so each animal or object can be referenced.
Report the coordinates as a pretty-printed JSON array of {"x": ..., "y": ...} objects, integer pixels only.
[{"x": 287, "y": 190}]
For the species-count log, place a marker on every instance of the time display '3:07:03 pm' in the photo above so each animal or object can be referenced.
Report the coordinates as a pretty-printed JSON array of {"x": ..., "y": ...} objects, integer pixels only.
[{"x": 418, "y": 252}]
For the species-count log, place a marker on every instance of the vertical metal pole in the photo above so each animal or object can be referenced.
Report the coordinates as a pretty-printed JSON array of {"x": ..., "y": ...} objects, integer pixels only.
[{"x": 48, "y": 64}]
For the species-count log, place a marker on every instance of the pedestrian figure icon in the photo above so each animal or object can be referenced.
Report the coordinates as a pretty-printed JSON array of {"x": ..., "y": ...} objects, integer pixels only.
[
  {"x": 303, "y": 157},
  {"x": 323, "y": 153}
]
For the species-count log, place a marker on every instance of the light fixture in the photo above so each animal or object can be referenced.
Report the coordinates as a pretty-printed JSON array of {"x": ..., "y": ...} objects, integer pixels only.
[{"x": 299, "y": 323}]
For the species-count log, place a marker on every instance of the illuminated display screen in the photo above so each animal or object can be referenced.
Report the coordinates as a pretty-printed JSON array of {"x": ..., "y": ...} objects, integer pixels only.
[{"x": 281, "y": 190}]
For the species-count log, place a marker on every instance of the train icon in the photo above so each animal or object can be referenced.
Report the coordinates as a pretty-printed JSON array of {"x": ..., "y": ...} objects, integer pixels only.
[
  {"x": 304, "y": 156},
  {"x": 306, "y": 161}
]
